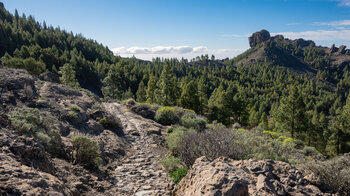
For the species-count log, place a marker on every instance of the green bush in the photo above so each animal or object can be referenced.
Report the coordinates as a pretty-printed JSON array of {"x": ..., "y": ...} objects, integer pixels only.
[
  {"x": 190, "y": 120},
  {"x": 72, "y": 115},
  {"x": 272, "y": 134},
  {"x": 174, "y": 139},
  {"x": 170, "y": 163},
  {"x": 169, "y": 129},
  {"x": 42, "y": 126},
  {"x": 74, "y": 108},
  {"x": 166, "y": 116},
  {"x": 334, "y": 173},
  {"x": 30, "y": 64},
  {"x": 178, "y": 174},
  {"x": 86, "y": 151}
]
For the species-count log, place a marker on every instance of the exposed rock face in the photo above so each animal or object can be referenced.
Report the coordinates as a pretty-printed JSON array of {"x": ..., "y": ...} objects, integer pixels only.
[
  {"x": 342, "y": 49},
  {"x": 49, "y": 77},
  {"x": 259, "y": 37},
  {"x": 224, "y": 176},
  {"x": 303, "y": 43},
  {"x": 332, "y": 49}
]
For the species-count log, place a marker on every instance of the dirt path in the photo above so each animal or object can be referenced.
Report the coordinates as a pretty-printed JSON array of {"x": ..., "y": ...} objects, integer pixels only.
[{"x": 140, "y": 173}]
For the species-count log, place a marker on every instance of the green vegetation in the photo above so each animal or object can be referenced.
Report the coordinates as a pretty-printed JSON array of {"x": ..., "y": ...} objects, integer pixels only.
[
  {"x": 86, "y": 151},
  {"x": 42, "y": 126},
  {"x": 334, "y": 173},
  {"x": 307, "y": 103},
  {"x": 178, "y": 174},
  {"x": 75, "y": 108},
  {"x": 166, "y": 116},
  {"x": 72, "y": 115}
]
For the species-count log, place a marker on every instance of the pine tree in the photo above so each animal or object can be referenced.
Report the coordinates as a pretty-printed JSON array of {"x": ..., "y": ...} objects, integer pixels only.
[
  {"x": 202, "y": 95},
  {"x": 68, "y": 76},
  {"x": 112, "y": 84},
  {"x": 264, "y": 123},
  {"x": 189, "y": 98},
  {"x": 141, "y": 92},
  {"x": 291, "y": 114},
  {"x": 167, "y": 87},
  {"x": 151, "y": 87}
]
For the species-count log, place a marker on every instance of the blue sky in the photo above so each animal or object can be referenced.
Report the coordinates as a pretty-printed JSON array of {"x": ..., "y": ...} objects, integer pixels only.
[{"x": 188, "y": 28}]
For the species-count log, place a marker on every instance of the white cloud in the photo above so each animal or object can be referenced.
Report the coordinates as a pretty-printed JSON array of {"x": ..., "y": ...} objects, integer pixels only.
[
  {"x": 160, "y": 50},
  {"x": 174, "y": 52},
  {"x": 345, "y": 3},
  {"x": 333, "y": 23},
  {"x": 320, "y": 35}
]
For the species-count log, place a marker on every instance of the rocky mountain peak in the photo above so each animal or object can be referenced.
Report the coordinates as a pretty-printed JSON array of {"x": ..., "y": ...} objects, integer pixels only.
[{"x": 259, "y": 37}]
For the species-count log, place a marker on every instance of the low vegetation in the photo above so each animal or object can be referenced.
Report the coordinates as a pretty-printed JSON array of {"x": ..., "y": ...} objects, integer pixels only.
[
  {"x": 166, "y": 116},
  {"x": 40, "y": 125},
  {"x": 86, "y": 151}
]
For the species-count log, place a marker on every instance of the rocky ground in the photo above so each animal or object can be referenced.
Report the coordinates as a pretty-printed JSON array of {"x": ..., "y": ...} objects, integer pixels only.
[
  {"x": 130, "y": 145},
  {"x": 224, "y": 176}
]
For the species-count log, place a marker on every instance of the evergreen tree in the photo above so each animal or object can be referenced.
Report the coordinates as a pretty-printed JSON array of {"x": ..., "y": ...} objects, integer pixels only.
[
  {"x": 68, "y": 76},
  {"x": 141, "y": 92},
  {"x": 151, "y": 87},
  {"x": 291, "y": 114},
  {"x": 112, "y": 84},
  {"x": 167, "y": 87},
  {"x": 264, "y": 122},
  {"x": 189, "y": 98},
  {"x": 202, "y": 95}
]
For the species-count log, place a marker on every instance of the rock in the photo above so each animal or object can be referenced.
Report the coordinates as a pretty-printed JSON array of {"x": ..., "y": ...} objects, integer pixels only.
[
  {"x": 342, "y": 49},
  {"x": 49, "y": 77},
  {"x": 224, "y": 176},
  {"x": 332, "y": 49},
  {"x": 259, "y": 37},
  {"x": 216, "y": 178},
  {"x": 130, "y": 102},
  {"x": 144, "y": 110},
  {"x": 303, "y": 43},
  {"x": 278, "y": 38}
]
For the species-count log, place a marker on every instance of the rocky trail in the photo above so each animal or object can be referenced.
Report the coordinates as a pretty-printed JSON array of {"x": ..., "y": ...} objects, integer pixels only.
[{"x": 139, "y": 172}]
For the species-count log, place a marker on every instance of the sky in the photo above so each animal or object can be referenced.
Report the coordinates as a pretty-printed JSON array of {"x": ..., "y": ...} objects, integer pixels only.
[{"x": 189, "y": 28}]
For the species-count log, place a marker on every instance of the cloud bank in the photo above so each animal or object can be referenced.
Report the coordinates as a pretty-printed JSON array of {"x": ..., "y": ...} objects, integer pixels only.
[
  {"x": 345, "y": 3},
  {"x": 319, "y": 35},
  {"x": 160, "y": 50},
  {"x": 174, "y": 52}
]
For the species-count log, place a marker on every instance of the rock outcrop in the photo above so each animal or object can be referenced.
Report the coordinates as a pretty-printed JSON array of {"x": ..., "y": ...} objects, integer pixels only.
[
  {"x": 259, "y": 37},
  {"x": 224, "y": 176}
]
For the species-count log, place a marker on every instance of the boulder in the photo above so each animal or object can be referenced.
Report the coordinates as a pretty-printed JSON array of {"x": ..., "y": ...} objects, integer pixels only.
[
  {"x": 342, "y": 49},
  {"x": 332, "y": 49},
  {"x": 225, "y": 176},
  {"x": 259, "y": 37}
]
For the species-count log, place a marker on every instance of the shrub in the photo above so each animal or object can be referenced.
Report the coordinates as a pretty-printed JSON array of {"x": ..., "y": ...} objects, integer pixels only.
[
  {"x": 178, "y": 174},
  {"x": 72, "y": 115},
  {"x": 170, "y": 163},
  {"x": 334, "y": 173},
  {"x": 74, "y": 108},
  {"x": 42, "y": 98},
  {"x": 86, "y": 151},
  {"x": 272, "y": 134},
  {"x": 212, "y": 144},
  {"x": 42, "y": 126},
  {"x": 190, "y": 120},
  {"x": 175, "y": 138},
  {"x": 98, "y": 106},
  {"x": 169, "y": 129},
  {"x": 166, "y": 116}
]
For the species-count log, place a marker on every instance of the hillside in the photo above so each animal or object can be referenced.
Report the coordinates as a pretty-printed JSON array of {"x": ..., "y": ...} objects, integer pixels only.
[{"x": 77, "y": 120}]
